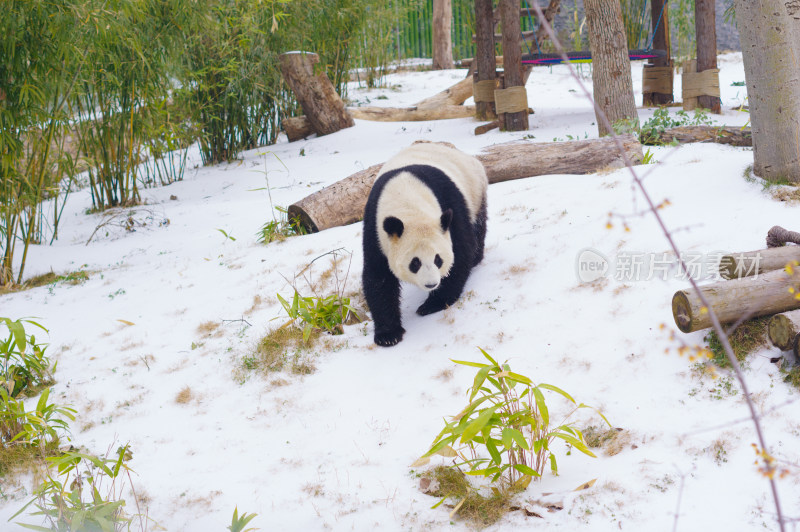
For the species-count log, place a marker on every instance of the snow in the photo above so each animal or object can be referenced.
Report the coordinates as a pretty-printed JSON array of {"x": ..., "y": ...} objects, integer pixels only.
[{"x": 332, "y": 449}]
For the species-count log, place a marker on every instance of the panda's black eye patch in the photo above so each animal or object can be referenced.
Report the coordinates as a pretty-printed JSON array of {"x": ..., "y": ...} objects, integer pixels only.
[
  {"x": 438, "y": 261},
  {"x": 415, "y": 265}
]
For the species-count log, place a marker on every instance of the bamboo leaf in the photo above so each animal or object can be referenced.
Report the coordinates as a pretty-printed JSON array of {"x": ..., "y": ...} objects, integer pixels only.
[
  {"x": 475, "y": 426},
  {"x": 575, "y": 442},
  {"x": 526, "y": 470},
  {"x": 541, "y": 406},
  {"x": 558, "y": 391}
]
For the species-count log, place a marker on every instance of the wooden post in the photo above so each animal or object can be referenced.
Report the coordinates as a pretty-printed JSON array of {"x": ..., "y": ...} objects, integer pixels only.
[
  {"x": 322, "y": 106},
  {"x": 442, "y": 40},
  {"x": 689, "y": 102},
  {"x": 516, "y": 114},
  {"x": 658, "y": 70},
  {"x": 485, "y": 66},
  {"x": 705, "y": 29}
]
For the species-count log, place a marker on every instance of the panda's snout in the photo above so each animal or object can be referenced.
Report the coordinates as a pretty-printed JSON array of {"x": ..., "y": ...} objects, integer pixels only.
[{"x": 431, "y": 286}]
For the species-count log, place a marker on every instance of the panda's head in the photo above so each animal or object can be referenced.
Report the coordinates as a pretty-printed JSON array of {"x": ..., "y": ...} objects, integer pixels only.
[{"x": 419, "y": 251}]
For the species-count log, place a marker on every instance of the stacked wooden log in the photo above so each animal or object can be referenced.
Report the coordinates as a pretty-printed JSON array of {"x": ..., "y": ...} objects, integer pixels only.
[{"x": 758, "y": 283}]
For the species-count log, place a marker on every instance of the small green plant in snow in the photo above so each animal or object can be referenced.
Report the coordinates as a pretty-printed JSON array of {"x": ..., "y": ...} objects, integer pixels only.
[
  {"x": 325, "y": 314},
  {"x": 505, "y": 432}
]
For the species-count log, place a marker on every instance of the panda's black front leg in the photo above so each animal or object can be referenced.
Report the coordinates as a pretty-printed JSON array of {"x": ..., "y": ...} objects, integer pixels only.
[
  {"x": 382, "y": 293},
  {"x": 448, "y": 292}
]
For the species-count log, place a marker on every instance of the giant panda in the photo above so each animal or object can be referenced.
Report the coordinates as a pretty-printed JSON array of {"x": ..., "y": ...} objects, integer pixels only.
[{"x": 425, "y": 224}]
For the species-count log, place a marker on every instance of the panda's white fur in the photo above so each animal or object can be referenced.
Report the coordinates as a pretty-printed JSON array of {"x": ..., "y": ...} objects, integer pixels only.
[
  {"x": 465, "y": 171},
  {"x": 406, "y": 197}
]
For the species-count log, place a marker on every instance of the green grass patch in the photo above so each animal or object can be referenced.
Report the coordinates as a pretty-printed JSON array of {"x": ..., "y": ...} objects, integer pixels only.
[
  {"x": 749, "y": 337},
  {"x": 793, "y": 377}
]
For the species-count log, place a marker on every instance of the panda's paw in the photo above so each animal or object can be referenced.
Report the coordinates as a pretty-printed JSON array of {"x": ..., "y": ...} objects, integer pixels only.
[
  {"x": 429, "y": 307},
  {"x": 388, "y": 339}
]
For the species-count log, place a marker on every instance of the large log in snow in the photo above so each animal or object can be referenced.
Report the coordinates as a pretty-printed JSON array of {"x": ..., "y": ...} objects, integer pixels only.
[
  {"x": 343, "y": 202},
  {"x": 737, "y": 265},
  {"x": 783, "y": 328},
  {"x": 749, "y": 297}
]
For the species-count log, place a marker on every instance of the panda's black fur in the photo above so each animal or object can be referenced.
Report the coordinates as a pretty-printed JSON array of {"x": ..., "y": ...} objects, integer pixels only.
[{"x": 382, "y": 287}]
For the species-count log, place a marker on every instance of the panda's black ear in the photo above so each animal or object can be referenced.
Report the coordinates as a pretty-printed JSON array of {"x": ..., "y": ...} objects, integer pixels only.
[
  {"x": 393, "y": 226},
  {"x": 447, "y": 217}
]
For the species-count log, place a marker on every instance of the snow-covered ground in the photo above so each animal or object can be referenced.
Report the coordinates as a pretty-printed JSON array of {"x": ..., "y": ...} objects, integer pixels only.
[{"x": 332, "y": 449}]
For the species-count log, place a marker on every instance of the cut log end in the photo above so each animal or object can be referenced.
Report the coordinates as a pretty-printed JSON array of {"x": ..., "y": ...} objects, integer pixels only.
[
  {"x": 781, "y": 332},
  {"x": 682, "y": 312},
  {"x": 295, "y": 212}
]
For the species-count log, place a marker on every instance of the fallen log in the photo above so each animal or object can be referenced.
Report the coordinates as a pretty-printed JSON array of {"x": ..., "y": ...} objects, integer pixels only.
[
  {"x": 343, "y": 202},
  {"x": 299, "y": 127},
  {"x": 411, "y": 114},
  {"x": 315, "y": 93},
  {"x": 737, "y": 265},
  {"x": 333, "y": 206},
  {"x": 783, "y": 328},
  {"x": 437, "y": 106},
  {"x": 733, "y": 136},
  {"x": 749, "y": 297},
  {"x": 514, "y": 160},
  {"x": 455, "y": 95}
]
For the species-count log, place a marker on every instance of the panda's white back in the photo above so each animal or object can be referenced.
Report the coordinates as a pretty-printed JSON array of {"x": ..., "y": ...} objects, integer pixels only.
[{"x": 466, "y": 172}]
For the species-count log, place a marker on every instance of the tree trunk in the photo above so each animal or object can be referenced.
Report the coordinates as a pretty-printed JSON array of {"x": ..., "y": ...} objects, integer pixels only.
[
  {"x": 516, "y": 112},
  {"x": 485, "y": 65},
  {"x": 611, "y": 69},
  {"x": 749, "y": 297},
  {"x": 659, "y": 69},
  {"x": 343, "y": 202},
  {"x": 323, "y": 107},
  {"x": 733, "y": 136},
  {"x": 737, "y": 265},
  {"x": 769, "y": 31},
  {"x": 705, "y": 28},
  {"x": 442, "y": 40},
  {"x": 782, "y": 329}
]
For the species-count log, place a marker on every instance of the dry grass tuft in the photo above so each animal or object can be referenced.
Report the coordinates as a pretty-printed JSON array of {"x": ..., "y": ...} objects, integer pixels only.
[
  {"x": 209, "y": 328},
  {"x": 281, "y": 349},
  {"x": 45, "y": 279},
  {"x": 184, "y": 396},
  {"x": 787, "y": 194},
  {"x": 444, "y": 375},
  {"x": 477, "y": 509},
  {"x": 612, "y": 440}
]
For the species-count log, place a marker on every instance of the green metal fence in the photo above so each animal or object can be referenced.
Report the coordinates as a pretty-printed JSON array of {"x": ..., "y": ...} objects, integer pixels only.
[{"x": 415, "y": 34}]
